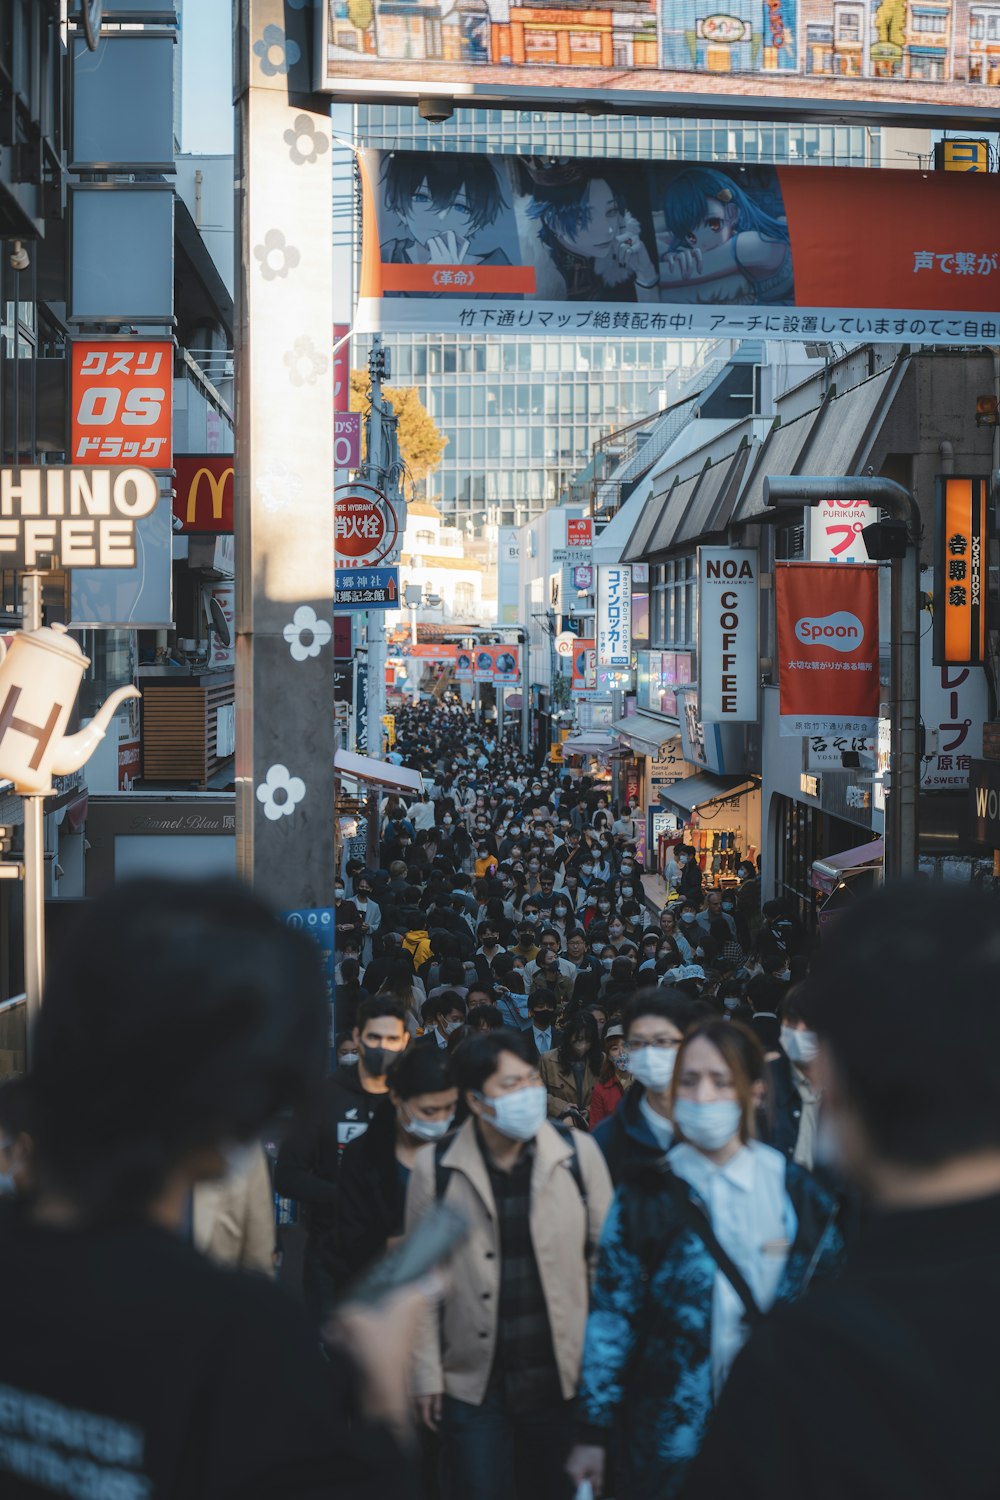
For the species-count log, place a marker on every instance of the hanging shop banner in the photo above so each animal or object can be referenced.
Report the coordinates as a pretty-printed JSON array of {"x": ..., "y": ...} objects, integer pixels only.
[
  {"x": 584, "y": 678},
  {"x": 122, "y": 402},
  {"x": 361, "y": 707},
  {"x": 614, "y": 616},
  {"x": 464, "y": 666},
  {"x": 828, "y": 657},
  {"x": 580, "y": 533},
  {"x": 835, "y": 528},
  {"x": 430, "y": 652},
  {"x": 347, "y": 440},
  {"x": 497, "y": 664},
  {"x": 680, "y": 249},
  {"x": 793, "y": 57},
  {"x": 960, "y": 570},
  {"x": 954, "y": 705},
  {"x": 728, "y": 669},
  {"x": 367, "y": 526},
  {"x": 204, "y": 492},
  {"x": 341, "y": 368}
]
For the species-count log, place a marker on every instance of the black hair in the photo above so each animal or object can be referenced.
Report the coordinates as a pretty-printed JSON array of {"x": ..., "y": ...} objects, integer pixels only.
[
  {"x": 668, "y": 1004},
  {"x": 584, "y": 1023},
  {"x": 477, "y": 1059},
  {"x": 379, "y": 1005},
  {"x": 764, "y": 993},
  {"x": 489, "y": 1016},
  {"x": 179, "y": 1017},
  {"x": 923, "y": 1074},
  {"x": 420, "y": 1070},
  {"x": 543, "y": 997}
]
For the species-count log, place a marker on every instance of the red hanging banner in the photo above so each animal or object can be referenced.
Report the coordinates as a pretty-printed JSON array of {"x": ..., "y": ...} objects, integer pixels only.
[{"x": 828, "y": 655}]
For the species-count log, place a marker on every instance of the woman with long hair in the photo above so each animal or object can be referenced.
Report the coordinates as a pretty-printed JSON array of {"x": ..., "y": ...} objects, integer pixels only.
[
  {"x": 571, "y": 1070},
  {"x": 725, "y": 245},
  {"x": 693, "y": 1252},
  {"x": 610, "y": 1089}
]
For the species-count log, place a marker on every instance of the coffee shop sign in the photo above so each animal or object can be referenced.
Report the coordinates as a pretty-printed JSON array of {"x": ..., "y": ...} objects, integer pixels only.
[{"x": 85, "y": 518}]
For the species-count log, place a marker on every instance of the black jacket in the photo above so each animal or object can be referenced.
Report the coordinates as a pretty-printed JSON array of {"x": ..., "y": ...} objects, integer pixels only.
[
  {"x": 371, "y": 1198},
  {"x": 529, "y": 1037},
  {"x": 880, "y": 1386},
  {"x": 309, "y": 1159},
  {"x": 782, "y": 1113}
]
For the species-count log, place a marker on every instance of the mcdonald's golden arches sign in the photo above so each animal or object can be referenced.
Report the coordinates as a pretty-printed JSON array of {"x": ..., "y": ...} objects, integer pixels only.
[{"x": 204, "y": 491}]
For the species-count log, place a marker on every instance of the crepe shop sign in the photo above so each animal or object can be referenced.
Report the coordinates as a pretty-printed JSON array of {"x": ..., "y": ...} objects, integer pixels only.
[{"x": 84, "y": 518}]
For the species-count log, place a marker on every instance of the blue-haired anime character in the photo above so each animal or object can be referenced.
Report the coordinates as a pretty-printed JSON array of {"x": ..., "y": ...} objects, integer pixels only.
[
  {"x": 724, "y": 246},
  {"x": 594, "y": 242},
  {"x": 445, "y": 202}
]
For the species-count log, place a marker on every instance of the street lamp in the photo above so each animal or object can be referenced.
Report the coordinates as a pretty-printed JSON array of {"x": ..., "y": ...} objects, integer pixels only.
[{"x": 900, "y": 545}]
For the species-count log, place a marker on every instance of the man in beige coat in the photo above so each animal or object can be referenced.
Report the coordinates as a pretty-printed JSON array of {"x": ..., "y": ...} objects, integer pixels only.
[
  {"x": 497, "y": 1372},
  {"x": 232, "y": 1218}
]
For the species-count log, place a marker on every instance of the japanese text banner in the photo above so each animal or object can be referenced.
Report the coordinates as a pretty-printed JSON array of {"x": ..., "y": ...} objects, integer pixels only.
[
  {"x": 536, "y": 245},
  {"x": 828, "y": 660}
]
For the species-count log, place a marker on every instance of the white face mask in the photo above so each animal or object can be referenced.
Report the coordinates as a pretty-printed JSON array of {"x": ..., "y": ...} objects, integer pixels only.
[
  {"x": 708, "y": 1126},
  {"x": 348, "y": 1059},
  {"x": 520, "y": 1115},
  {"x": 427, "y": 1130},
  {"x": 784, "y": 976},
  {"x": 799, "y": 1046},
  {"x": 450, "y": 1026},
  {"x": 653, "y": 1067}
]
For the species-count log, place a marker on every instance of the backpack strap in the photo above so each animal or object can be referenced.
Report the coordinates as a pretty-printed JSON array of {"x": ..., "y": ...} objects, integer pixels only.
[{"x": 573, "y": 1166}]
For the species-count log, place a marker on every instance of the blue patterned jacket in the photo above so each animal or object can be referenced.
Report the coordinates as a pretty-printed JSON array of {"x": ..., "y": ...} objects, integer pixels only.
[{"x": 647, "y": 1369}]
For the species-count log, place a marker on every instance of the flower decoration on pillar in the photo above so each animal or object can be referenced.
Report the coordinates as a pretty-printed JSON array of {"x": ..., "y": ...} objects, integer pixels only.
[
  {"x": 306, "y": 144},
  {"x": 280, "y": 792},
  {"x": 277, "y": 52},
  {"x": 307, "y": 634},
  {"x": 305, "y": 363},
  {"x": 276, "y": 256}
]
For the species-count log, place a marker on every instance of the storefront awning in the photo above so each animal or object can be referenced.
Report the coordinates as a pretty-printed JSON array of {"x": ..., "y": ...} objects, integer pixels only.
[
  {"x": 644, "y": 734},
  {"x": 586, "y": 743},
  {"x": 828, "y": 872},
  {"x": 697, "y": 791},
  {"x": 378, "y": 772}
]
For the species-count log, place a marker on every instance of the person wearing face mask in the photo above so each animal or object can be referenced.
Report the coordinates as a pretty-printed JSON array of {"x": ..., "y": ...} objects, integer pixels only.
[
  {"x": 375, "y": 1168},
  {"x": 346, "y": 917},
  {"x": 790, "y": 1117},
  {"x": 689, "y": 881},
  {"x": 641, "y": 1130},
  {"x": 442, "y": 1016},
  {"x": 615, "y": 1080},
  {"x": 370, "y": 914},
  {"x": 570, "y": 1071},
  {"x": 694, "y": 1250},
  {"x": 496, "y": 1373},
  {"x": 616, "y": 930},
  {"x": 309, "y": 1156}
]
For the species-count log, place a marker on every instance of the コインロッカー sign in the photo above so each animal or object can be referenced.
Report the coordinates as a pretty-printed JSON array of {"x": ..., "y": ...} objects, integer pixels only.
[{"x": 85, "y": 518}]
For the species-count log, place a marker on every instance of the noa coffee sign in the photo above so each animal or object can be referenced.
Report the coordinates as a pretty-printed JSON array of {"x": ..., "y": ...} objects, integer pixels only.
[
  {"x": 73, "y": 517},
  {"x": 727, "y": 635}
]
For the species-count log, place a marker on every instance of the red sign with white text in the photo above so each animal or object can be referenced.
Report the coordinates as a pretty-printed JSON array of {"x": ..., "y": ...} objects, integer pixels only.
[
  {"x": 580, "y": 533},
  {"x": 828, "y": 656},
  {"x": 341, "y": 368},
  {"x": 122, "y": 395}
]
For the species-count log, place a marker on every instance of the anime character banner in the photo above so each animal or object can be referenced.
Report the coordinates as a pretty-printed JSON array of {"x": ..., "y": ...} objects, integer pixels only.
[
  {"x": 529, "y": 244},
  {"x": 839, "y": 57}
]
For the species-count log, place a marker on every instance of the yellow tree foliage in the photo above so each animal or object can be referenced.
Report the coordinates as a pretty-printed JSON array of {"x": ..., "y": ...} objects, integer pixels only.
[{"x": 420, "y": 442}]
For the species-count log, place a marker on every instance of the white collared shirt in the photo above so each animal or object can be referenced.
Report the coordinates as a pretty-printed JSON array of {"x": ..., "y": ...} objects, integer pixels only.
[{"x": 755, "y": 1224}]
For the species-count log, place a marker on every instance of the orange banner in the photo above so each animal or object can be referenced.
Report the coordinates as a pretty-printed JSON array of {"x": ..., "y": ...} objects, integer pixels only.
[
  {"x": 828, "y": 653},
  {"x": 515, "y": 281},
  {"x": 959, "y": 568},
  {"x": 123, "y": 394}
]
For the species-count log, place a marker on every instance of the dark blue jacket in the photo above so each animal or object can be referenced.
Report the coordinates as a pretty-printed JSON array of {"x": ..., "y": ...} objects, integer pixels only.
[
  {"x": 625, "y": 1138},
  {"x": 647, "y": 1366}
]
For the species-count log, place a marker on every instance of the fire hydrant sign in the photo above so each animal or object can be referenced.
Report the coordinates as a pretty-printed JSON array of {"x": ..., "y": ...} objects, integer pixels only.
[
  {"x": 828, "y": 661},
  {"x": 80, "y": 518},
  {"x": 123, "y": 402},
  {"x": 727, "y": 635},
  {"x": 367, "y": 527}
]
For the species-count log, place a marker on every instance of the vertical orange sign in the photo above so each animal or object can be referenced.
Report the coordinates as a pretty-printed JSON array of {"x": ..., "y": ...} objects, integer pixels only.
[
  {"x": 960, "y": 570},
  {"x": 123, "y": 403}
]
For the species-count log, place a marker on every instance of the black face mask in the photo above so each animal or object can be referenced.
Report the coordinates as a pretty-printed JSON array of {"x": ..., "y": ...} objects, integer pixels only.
[
  {"x": 543, "y": 1019},
  {"x": 377, "y": 1060}
]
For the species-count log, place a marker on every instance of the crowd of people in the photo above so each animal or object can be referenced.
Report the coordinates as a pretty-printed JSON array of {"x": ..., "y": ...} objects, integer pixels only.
[
  {"x": 523, "y": 1032},
  {"x": 728, "y": 1204}
]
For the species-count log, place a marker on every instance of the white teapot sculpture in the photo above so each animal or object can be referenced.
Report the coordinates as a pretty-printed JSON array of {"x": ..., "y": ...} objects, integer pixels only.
[{"x": 40, "y": 676}]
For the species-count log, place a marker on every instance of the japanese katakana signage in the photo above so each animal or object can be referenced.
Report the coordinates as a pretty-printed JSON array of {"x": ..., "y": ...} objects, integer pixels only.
[
  {"x": 687, "y": 249},
  {"x": 367, "y": 526},
  {"x": 122, "y": 395},
  {"x": 614, "y": 616},
  {"x": 954, "y": 704},
  {"x": 835, "y": 528},
  {"x": 960, "y": 570},
  {"x": 584, "y": 654},
  {"x": 728, "y": 672},
  {"x": 580, "y": 533},
  {"x": 86, "y": 518},
  {"x": 828, "y": 650}
]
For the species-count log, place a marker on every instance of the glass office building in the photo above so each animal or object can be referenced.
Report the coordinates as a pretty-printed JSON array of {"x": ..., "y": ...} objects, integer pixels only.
[{"x": 520, "y": 414}]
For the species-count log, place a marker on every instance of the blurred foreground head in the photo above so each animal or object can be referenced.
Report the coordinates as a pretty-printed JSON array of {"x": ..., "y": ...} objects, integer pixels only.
[
  {"x": 905, "y": 995},
  {"x": 178, "y": 1020}
]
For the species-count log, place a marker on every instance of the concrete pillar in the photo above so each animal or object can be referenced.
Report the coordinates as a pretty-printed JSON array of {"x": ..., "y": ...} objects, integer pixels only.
[{"x": 284, "y": 461}]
